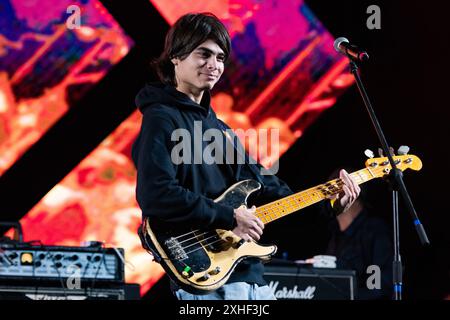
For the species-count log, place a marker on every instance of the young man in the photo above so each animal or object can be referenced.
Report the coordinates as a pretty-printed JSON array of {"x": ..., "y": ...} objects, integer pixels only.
[{"x": 175, "y": 193}]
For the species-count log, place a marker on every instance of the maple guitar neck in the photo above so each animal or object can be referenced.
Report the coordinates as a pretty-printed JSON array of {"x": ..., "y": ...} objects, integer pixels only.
[{"x": 282, "y": 207}]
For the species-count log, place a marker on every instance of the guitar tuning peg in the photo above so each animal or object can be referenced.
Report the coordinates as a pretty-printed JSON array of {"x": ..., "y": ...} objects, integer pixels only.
[
  {"x": 369, "y": 153},
  {"x": 380, "y": 153},
  {"x": 403, "y": 150}
]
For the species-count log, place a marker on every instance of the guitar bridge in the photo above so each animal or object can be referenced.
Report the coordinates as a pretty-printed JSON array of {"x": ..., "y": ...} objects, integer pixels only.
[{"x": 176, "y": 250}]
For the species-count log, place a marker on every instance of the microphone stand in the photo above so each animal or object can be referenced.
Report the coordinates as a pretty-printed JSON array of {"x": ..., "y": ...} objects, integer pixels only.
[{"x": 395, "y": 180}]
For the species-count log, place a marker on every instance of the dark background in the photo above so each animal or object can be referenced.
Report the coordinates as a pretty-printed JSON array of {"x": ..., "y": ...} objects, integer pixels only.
[{"x": 405, "y": 78}]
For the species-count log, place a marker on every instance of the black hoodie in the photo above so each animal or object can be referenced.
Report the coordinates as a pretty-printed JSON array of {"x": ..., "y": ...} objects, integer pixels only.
[{"x": 183, "y": 193}]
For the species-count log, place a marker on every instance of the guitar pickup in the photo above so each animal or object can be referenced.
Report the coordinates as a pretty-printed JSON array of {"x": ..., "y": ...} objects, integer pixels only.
[{"x": 238, "y": 244}]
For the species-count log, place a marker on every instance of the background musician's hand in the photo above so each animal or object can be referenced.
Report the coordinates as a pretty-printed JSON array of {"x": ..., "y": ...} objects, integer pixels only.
[{"x": 249, "y": 226}]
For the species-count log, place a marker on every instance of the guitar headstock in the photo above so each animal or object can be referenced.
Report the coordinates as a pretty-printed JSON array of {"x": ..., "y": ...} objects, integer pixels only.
[{"x": 381, "y": 166}]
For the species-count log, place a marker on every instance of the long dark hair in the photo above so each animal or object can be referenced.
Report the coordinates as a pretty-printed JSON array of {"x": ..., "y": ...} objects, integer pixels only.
[{"x": 184, "y": 36}]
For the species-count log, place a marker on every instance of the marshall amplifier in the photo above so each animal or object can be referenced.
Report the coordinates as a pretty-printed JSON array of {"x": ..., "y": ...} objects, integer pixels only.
[
  {"x": 59, "y": 293},
  {"x": 21, "y": 262},
  {"x": 298, "y": 282}
]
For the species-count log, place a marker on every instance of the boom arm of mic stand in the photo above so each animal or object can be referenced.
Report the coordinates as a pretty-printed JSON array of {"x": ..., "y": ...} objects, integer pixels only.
[{"x": 399, "y": 184}]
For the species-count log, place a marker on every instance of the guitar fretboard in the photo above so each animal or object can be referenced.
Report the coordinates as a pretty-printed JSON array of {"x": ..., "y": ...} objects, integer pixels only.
[{"x": 280, "y": 208}]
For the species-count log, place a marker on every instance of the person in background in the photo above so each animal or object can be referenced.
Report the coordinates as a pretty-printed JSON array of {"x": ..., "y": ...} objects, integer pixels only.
[{"x": 360, "y": 239}]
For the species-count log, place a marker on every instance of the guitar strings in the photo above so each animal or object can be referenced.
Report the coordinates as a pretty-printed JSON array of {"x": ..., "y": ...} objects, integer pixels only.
[
  {"x": 194, "y": 237},
  {"x": 188, "y": 233},
  {"x": 335, "y": 182},
  {"x": 208, "y": 244},
  {"x": 339, "y": 182},
  {"x": 328, "y": 189},
  {"x": 205, "y": 242},
  {"x": 331, "y": 188}
]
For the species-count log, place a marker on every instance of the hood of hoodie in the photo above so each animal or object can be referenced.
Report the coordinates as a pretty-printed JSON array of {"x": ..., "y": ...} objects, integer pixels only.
[{"x": 158, "y": 93}]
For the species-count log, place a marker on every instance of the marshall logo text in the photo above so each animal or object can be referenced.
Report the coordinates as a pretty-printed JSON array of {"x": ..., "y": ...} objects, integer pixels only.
[{"x": 294, "y": 293}]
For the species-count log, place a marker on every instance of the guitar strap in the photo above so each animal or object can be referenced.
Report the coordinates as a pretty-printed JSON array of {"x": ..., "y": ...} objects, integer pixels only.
[
  {"x": 240, "y": 152},
  {"x": 142, "y": 232}
]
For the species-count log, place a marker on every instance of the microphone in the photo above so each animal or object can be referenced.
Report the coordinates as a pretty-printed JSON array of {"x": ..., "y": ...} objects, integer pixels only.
[{"x": 342, "y": 45}]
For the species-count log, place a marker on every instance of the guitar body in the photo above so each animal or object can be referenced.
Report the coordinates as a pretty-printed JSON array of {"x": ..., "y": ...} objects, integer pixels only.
[{"x": 203, "y": 260}]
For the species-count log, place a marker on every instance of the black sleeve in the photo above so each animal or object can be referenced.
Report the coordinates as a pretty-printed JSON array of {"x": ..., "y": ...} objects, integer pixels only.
[
  {"x": 382, "y": 256},
  {"x": 273, "y": 187},
  {"x": 158, "y": 191}
]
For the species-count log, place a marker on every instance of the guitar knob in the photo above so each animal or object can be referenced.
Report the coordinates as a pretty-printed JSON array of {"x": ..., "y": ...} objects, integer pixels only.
[
  {"x": 369, "y": 153},
  {"x": 215, "y": 271},
  {"x": 403, "y": 150},
  {"x": 380, "y": 153},
  {"x": 205, "y": 277},
  {"x": 391, "y": 151}
]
